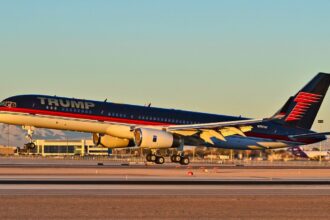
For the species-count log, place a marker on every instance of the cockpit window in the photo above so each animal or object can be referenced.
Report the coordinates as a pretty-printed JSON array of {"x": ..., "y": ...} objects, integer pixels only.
[{"x": 8, "y": 104}]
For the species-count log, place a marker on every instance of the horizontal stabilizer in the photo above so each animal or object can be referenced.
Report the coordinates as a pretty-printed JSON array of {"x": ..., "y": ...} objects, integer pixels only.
[{"x": 310, "y": 135}]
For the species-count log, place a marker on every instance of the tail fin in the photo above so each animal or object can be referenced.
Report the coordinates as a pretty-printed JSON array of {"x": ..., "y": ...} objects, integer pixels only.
[
  {"x": 298, "y": 152},
  {"x": 301, "y": 110}
]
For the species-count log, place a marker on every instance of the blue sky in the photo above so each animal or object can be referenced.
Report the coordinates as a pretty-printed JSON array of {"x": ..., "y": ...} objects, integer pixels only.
[{"x": 227, "y": 57}]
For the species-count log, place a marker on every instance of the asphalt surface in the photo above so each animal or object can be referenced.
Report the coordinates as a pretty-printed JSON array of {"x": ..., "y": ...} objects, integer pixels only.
[
  {"x": 47, "y": 190},
  {"x": 38, "y": 162},
  {"x": 164, "y": 207},
  {"x": 135, "y": 181},
  {"x": 163, "y": 190}
]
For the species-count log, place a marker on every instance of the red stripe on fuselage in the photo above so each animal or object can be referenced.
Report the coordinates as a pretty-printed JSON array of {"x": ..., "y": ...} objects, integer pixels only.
[{"x": 81, "y": 116}]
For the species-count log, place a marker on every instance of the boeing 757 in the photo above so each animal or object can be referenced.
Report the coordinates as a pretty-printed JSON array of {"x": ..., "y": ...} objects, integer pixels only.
[
  {"x": 121, "y": 126},
  {"x": 309, "y": 154}
]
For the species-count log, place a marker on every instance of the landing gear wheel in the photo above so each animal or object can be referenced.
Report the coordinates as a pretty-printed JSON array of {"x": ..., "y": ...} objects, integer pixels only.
[
  {"x": 184, "y": 160},
  {"x": 148, "y": 157},
  {"x": 30, "y": 146},
  {"x": 160, "y": 160},
  {"x": 151, "y": 158},
  {"x": 177, "y": 158}
]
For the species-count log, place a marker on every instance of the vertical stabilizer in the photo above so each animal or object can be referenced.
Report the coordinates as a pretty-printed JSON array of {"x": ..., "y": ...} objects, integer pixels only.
[{"x": 301, "y": 110}]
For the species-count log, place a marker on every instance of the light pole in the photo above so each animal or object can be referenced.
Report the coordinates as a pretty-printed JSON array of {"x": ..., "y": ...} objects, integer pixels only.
[
  {"x": 194, "y": 152},
  {"x": 320, "y": 122}
]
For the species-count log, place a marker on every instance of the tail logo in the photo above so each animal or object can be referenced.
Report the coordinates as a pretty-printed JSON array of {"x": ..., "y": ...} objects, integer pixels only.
[{"x": 303, "y": 102}]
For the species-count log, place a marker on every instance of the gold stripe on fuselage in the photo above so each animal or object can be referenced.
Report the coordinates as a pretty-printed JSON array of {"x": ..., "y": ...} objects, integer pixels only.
[{"x": 70, "y": 124}]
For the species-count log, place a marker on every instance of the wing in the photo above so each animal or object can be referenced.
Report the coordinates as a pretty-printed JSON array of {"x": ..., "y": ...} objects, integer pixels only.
[{"x": 219, "y": 130}]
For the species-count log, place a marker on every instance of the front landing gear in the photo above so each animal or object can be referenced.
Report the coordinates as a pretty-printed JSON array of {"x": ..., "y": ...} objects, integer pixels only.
[
  {"x": 30, "y": 130},
  {"x": 30, "y": 146}
]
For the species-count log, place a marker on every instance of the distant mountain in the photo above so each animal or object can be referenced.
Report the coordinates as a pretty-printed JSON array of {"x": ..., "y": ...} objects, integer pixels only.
[{"x": 17, "y": 135}]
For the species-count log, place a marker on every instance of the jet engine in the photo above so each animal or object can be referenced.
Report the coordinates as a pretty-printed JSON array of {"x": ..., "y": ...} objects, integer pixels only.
[
  {"x": 152, "y": 138},
  {"x": 111, "y": 141}
]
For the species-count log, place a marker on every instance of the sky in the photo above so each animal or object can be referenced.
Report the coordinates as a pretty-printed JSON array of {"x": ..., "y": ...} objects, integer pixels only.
[{"x": 239, "y": 57}]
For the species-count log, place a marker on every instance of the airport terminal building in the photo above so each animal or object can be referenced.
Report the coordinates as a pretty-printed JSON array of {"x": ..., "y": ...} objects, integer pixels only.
[{"x": 68, "y": 148}]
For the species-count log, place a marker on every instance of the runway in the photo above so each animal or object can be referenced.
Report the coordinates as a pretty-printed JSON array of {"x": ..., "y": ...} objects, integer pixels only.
[
  {"x": 152, "y": 181},
  {"x": 164, "y": 189},
  {"x": 104, "y": 163},
  {"x": 153, "y": 185},
  {"x": 27, "y": 172},
  {"x": 139, "y": 201},
  {"x": 79, "y": 190}
]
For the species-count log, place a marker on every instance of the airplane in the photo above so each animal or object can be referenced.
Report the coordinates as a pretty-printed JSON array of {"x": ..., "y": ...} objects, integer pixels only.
[
  {"x": 122, "y": 126},
  {"x": 312, "y": 155}
]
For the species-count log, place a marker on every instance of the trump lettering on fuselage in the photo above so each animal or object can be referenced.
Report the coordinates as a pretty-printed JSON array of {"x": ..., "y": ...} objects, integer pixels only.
[{"x": 66, "y": 103}]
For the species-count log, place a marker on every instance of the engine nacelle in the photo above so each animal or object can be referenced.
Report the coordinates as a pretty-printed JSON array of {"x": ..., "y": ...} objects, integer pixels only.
[
  {"x": 152, "y": 138},
  {"x": 112, "y": 142}
]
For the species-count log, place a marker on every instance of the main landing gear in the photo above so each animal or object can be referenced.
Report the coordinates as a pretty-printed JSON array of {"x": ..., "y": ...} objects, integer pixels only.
[
  {"x": 177, "y": 158},
  {"x": 151, "y": 157},
  {"x": 30, "y": 130},
  {"x": 180, "y": 158}
]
